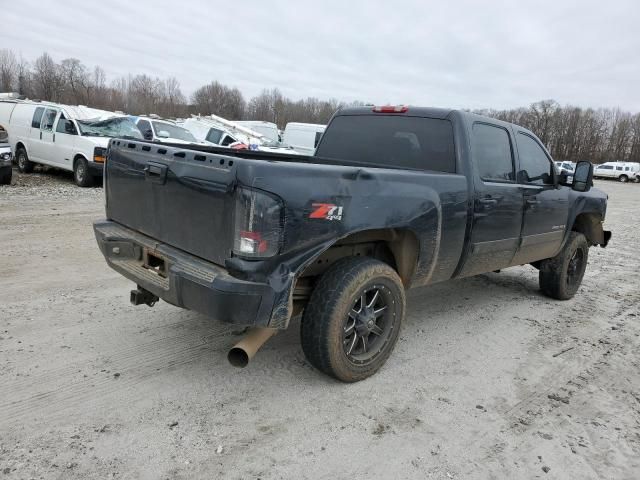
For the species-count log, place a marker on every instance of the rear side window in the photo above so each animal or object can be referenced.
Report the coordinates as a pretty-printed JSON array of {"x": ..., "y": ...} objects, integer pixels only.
[
  {"x": 534, "y": 164},
  {"x": 37, "y": 117},
  {"x": 492, "y": 151},
  {"x": 214, "y": 135},
  {"x": 391, "y": 141}
]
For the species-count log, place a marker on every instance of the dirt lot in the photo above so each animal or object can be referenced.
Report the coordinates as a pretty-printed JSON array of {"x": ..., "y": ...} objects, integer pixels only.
[{"x": 489, "y": 379}]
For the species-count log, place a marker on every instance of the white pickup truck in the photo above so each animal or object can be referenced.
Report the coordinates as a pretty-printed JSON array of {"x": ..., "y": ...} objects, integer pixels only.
[
  {"x": 73, "y": 138},
  {"x": 622, "y": 171}
]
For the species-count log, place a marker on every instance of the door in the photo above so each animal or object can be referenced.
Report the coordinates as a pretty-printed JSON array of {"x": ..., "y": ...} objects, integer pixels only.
[
  {"x": 43, "y": 143},
  {"x": 498, "y": 208},
  {"x": 546, "y": 205},
  {"x": 34, "y": 147},
  {"x": 66, "y": 135}
]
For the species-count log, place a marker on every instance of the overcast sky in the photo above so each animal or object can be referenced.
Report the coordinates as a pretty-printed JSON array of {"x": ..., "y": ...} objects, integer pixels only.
[{"x": 453, "y": 54}]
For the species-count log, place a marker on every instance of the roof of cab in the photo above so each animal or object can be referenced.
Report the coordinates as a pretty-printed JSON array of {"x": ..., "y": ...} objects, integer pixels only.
[{"x": 411, "y": 112}]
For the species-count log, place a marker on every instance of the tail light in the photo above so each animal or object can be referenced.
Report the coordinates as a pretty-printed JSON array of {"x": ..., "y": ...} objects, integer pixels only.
[{"x": 258, "y": 224}]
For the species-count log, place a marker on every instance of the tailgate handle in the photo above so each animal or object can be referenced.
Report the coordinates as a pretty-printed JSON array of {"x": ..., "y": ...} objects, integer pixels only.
[{"x": 156, "y": 172}]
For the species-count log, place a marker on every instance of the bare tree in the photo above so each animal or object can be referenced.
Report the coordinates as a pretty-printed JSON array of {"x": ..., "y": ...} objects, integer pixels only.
[
  {"x": 47, "y": 78},
  {"x": 220, "y": 100},
  {"x": 8, "y": 70}
]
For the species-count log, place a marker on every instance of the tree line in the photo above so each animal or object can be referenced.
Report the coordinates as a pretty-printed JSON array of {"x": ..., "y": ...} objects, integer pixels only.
[{"x": 569, "y": 132}]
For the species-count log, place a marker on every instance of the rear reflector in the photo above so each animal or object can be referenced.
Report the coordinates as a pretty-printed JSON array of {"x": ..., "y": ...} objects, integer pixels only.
[{"x": 391, "y": 109}]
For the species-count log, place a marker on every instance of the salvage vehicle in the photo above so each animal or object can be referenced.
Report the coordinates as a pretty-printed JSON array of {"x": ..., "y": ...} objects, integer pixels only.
[
  {"x": 6, "y": 161},
  {"x": 303, "y": 137},
  {"x": 621, "y": 171},
  {"x": 72, "y": 138},
  {"x": 155, "y": 129},
  {"x": 394, "y": 198}
]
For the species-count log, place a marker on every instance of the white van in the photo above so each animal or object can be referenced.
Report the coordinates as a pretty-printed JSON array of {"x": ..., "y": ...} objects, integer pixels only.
[
  {"x": 268, "y": 129},
  {"x": 622, "y": 171},
  {"x": 303, "y": 137},
  {"x": 73, "y": 138}
]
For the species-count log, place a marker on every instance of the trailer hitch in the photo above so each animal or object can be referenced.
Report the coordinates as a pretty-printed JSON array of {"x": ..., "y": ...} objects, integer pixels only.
[{"x": 141, "y": 296}]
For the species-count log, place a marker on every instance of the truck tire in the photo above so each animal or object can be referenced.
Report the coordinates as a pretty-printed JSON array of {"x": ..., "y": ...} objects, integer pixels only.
[
  {"x": 561, "y": 276},
  {"x": 352, "y": 321},
  {"x": 81, "y": 174},
  {"x": 24, "y": 165},
  {"x": 623, "y": 178},
  {"x": 5, "y": 175}
]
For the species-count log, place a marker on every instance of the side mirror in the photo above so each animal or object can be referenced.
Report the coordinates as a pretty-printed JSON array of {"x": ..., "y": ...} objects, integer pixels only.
[
  {"x": 582, "y": 177},
  {"x": 163, "y": 134},
  {"x": 148, "y": 134}
]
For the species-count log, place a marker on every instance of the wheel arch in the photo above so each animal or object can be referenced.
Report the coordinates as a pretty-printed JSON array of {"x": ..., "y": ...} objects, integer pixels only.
[
  {"x": 590, "y": 225},
  {"x": 399, "y": 248}
]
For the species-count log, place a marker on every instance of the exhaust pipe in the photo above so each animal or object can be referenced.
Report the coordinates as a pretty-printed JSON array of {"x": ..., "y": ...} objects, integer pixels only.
[{"x": 245, "y": 349}]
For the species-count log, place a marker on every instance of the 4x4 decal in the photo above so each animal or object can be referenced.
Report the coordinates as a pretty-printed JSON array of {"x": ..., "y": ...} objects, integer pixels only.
[{"x": 326, "y": 211}]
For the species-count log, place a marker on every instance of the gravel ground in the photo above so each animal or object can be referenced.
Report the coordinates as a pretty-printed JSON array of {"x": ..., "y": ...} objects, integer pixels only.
[{"x": 490, "y": 379}]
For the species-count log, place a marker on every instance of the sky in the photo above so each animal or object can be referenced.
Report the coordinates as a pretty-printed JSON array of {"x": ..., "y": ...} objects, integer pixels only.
[{"x": 460, "y": 54}]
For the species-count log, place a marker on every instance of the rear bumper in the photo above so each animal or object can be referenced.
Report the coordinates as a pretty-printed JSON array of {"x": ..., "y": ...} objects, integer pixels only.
[{"x": 189, "y": 282}]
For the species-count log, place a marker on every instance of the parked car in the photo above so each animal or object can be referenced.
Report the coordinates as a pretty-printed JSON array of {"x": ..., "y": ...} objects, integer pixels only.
[
  {"x": 159, "y": 130},
  {"x": 212, "y": 131},
  {"x": 565, "y": 167},
  {"x": 387, "y": 203},
  {"x": 6, "y": 161},
  {"x": 268, "y": 129},
  {"x": 72, "y": 138},
  {"x": 622, "y": 171},
  {"x": 303, "y": 137},
  {"x": 222, "y": 132}
]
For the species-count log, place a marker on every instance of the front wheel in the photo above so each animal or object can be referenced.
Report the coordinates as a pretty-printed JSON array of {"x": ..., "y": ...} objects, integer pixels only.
[
  {"x": 24, "y": 165},
  {"x": 81, "y": 173},
  {"x": 352, "y": 321},
  {"x": 561, "y": 276},
  {"x": 623, "y": 178}
]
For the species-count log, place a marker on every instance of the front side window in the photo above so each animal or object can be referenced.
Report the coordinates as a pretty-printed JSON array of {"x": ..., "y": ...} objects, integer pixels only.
[
  {"x": 492, "y": 151},
  {"x": 66, "y": 126},
  {"x": 535, "y": 166},
  {"x": 145, "y": 129},
  {"x": 227, "y": 140},
  {"x": 48, "y": 119},
  {"x": 37, "y": 117}
]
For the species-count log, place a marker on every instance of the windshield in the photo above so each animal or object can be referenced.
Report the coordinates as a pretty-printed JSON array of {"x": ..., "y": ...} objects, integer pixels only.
[
  {"x": 113, "y": 127},
  {"x": 174, "y": 131}
]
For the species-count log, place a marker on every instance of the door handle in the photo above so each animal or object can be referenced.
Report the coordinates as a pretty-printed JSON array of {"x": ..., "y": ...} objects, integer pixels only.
[
  {"x": 488, "y": 201},
  {"x": 532, "y": 201},
  {"x": 40, "y": 134}
]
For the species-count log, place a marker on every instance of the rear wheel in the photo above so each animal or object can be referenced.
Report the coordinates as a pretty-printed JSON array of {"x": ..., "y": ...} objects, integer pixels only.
[
  {"x": 81, "y": 174},
  {"x": 623, "y": 178},
  {"x": 24, "y": 165},
  {"x": 561, "y": 276},
  {"x": 352, "y": 321}
]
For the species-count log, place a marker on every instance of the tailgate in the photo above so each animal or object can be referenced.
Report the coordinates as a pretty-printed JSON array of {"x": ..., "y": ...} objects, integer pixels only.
[{"x": 176, "y": 196}]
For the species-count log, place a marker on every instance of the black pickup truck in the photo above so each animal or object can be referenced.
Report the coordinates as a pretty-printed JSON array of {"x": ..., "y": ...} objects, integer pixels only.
[{"x": 395, "y": 197}]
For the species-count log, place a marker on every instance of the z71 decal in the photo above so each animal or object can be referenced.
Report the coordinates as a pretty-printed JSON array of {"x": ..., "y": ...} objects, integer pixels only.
[{"x": 326, "y": 211}]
